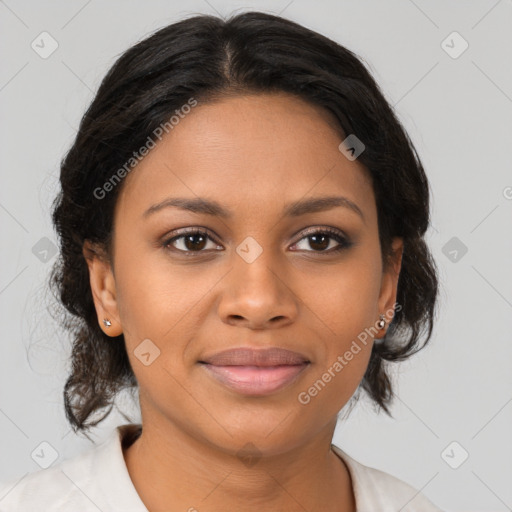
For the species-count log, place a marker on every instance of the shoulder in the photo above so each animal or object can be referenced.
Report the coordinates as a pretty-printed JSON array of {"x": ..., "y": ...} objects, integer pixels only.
[
  {"x": 377, "y": 490},
  {"x": 94, "y": 480},
  {"x": 57, "y": 488}
]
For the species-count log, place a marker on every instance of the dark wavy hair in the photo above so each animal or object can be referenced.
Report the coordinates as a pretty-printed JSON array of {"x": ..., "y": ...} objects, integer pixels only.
[{"x": 208, "y": 58}]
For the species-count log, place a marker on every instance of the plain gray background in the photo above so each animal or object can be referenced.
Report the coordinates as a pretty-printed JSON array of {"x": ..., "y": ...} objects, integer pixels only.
[{"x": 457, "y": 108}]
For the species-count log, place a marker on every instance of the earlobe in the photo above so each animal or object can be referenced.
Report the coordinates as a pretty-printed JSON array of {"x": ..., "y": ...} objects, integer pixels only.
[{"x": 102, "y": 282}]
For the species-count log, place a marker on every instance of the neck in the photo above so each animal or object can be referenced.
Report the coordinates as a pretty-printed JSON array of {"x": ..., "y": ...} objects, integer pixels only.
[{"x": 172, "y": 470}]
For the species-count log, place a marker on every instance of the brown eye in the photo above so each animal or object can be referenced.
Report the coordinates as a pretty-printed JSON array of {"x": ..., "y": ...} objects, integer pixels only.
[
  {"x": 191, "y": 241},
  {"x": 321, "y": 240}
]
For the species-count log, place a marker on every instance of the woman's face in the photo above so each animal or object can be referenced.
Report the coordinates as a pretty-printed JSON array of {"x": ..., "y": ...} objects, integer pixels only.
[{"x": 265, "y": 275}]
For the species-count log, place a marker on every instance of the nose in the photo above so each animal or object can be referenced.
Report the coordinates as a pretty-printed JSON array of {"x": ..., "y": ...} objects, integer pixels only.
[{"x": 257, "y": 295}]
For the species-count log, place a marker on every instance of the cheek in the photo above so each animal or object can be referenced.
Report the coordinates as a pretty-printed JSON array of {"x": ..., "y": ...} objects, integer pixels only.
[
  {"x": 347, "y": 307},
  {"x": 346, "y": 300},
  {"x": 348, "y": 315},
  {"x": 152, "y": 296}
]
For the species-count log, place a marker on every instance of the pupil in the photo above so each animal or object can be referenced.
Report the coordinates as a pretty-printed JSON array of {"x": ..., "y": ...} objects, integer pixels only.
[
  {"x": 191, "y": 241},
  {"x": 323, "y": 245},
  {"x": 197, "y": 241}
]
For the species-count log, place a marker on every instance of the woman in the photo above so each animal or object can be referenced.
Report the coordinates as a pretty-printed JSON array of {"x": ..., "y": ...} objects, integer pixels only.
[{"x": 242, "y": 223}]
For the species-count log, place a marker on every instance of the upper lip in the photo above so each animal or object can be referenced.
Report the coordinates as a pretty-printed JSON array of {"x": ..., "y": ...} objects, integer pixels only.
[{"x": 242, "y": 356}]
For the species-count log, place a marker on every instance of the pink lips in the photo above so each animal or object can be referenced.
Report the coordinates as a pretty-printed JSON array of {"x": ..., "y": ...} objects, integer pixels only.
[{"x": 255, "y": 372}]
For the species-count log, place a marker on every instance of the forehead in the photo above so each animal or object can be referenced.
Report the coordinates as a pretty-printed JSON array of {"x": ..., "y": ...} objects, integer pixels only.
[{"x": 246, "y": 151}]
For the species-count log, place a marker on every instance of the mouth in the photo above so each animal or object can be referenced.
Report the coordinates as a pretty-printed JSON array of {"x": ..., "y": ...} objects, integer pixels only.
[{"x": 255, "y": 372}]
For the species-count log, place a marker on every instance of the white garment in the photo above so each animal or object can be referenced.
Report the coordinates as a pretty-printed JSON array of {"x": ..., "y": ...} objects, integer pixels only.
[{"x": 98, "y": 480}]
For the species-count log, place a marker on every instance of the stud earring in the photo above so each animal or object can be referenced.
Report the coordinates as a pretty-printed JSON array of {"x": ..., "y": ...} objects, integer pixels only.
[
  {"x": 381, "y": 323},
  {"x": 107, "y": 322}
]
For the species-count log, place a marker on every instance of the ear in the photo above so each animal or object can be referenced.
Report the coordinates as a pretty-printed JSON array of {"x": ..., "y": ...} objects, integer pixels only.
[
  {"x": 103, "y": 288},
  {"x": 389, "y": 282}
]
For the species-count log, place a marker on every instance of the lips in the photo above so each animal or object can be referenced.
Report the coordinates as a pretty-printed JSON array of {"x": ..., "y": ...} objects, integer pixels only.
[
  {"x": 255, "y": 372},
  {"x": 256, "y": 357}
]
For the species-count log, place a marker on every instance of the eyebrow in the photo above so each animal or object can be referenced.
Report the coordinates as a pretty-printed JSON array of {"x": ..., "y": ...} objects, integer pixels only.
[{"x": 295, "y": 209}]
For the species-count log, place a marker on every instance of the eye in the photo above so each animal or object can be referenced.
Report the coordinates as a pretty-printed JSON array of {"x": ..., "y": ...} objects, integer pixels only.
[
  {"x": 320, "y": 240},
  {"x": 191, "y": 241},
  {"x": 196, "y": 241}
]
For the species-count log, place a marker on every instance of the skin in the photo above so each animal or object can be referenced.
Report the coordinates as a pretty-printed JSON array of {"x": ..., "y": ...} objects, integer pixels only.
[{"x": 253, "y": 154}]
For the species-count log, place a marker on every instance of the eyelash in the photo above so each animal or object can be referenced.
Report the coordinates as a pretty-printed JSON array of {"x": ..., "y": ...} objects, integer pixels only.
[{"x": 343, "y": 242}]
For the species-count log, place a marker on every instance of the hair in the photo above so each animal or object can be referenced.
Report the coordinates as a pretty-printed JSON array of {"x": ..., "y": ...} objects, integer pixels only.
[{"x": 208, "y": 58}]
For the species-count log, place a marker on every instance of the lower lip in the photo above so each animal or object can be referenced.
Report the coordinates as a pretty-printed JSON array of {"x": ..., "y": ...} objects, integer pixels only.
[{"x": 255, "y": 380}]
